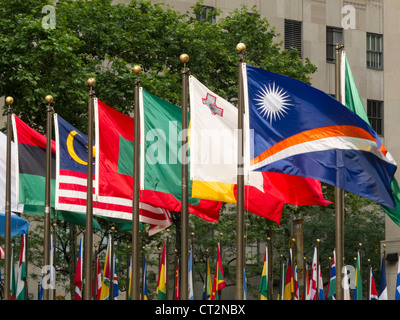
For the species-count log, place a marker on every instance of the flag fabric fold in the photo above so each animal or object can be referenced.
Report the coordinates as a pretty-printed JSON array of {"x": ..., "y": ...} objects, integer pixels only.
[
  {"x": 78, "y": 273},
  {"x": 21, "y": 273},
  {"x": 358, "y": 282},
  {"x": 219, "y": 281},
  {"x": 289, "y": 287},
  {"x": 373, "y": 295},
  {"x": 302, "y": 131},
  {"x": 332, "y": 280},
  {"x": 263, "y": 288},
  {"x": 383, "y": 294}
]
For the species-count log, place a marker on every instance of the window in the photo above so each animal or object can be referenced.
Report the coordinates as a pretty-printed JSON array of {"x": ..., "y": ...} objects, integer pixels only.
[
  {"x": 207, "y": 13},
  {"x": 375, "y": 115},
  {"x": 293, "y": 35},
  {"x": 334, "y": 36},
  {"x": 374, "y": 51}
]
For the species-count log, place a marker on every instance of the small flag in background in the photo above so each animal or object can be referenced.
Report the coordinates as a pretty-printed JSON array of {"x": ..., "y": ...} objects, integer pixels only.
[
  {"x": 289, "y": 279},
  {"x": 219, "y": 281},
  {"x": 21, "y": 274},
  {"x": 321, "y": 285},
  {"x": 106, "y": 282},
  {"x": 2, "y": 255},
  {"x": 314, "y": 277},
  {"x": 382, "y": 282},
  {"x": 373, "y": 295},
  {"x": 176, "y": 289},
  {"x": 207, "y": 292},
  {"x": 263, "y": 289},
  {"x": 97, "y": 288},
  {"x": 162, "y": 277},
  {"x": 145, "y": 294},
  {"x": 332, "y": 280},
  {"x": 358, "y": 281},
  {"x": 115, "y": 280},
  {"x": 397, "y": 295},
  {"x": 78, "y": 273},
  {"x": 190, "y": 276}
]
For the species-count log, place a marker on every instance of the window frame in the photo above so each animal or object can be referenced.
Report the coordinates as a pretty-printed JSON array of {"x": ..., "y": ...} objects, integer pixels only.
[
  {"x": 376, "y": 119},
  {"x": 371, "y": 63},
  {"x": 288, "y": 43}
]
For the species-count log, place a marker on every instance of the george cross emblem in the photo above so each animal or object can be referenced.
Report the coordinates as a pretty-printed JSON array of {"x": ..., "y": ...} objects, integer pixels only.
[{"x": 210, "y": 101}]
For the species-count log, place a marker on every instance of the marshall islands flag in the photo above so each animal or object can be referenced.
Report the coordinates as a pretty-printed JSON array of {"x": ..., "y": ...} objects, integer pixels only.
[{"x": 302, "y": 131}]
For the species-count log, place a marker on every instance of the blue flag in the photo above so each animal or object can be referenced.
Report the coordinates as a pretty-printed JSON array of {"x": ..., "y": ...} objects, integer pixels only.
[
  {"x": 302, "y": 131},
  {"x": 397, "y": 295}
]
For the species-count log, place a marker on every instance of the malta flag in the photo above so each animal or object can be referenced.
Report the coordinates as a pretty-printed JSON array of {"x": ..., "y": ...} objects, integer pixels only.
[
  {"x": 79, "y": 273},
  {"x": 303, "y": 131},
  {"x": 214, "y": 155},
  {"x": 219, "y": 281}
]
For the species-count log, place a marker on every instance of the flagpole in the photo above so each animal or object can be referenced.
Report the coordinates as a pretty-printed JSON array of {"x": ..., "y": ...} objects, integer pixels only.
[
  {"x": 135, "y": 287},
  {"x": 87, "y": 293},
  {"x": 240, "y": 183},
  {"x": 7, "y": 228},
  {"x": 184, "y": 58},
  {"x": 47, "y": 205},
  {"x": 339, "y": 196}
]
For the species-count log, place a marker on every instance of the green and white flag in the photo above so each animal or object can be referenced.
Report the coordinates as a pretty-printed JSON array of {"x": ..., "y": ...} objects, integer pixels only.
[
  {"x": 21, "y": 273},
  {"x": 352, "y": 100}
]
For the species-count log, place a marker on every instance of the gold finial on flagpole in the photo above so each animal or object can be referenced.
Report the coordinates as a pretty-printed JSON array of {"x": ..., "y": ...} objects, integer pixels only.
[
  {"x": 240, "y": 47},
  {"x": 184, "y": 58},
  {"x": 137, "y": 69},
  {"x": 49, "y": 99},
  {"x": 9, "y": 100},
  {"x": 91, "y": 82}
]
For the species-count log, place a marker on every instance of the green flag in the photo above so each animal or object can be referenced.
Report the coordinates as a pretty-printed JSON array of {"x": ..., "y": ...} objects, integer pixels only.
[
  {"x": 20, "y": 294},
  {"x": 358, "y": 281},
  {"x": 332, "y": 280},
  {"x": 354, "y": 103},
  {"x": 263, "y": 289}
]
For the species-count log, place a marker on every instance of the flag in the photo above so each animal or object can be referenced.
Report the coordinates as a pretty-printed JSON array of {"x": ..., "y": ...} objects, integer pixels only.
[
  {"x": 145, "y": 294},
  {"x": 354, "y": 103},
  {"x": 207, "y": 283},
  {"x": 161, "y": 156},
  {"x": 332, "y": 280},
  {"x": 176, "y": 289},
  {"x": 306, "y": 290},
  {"x": 263, "y": 288},
  {"x": 71, "y": 182},
  {"x": 244, "y": 285},
  {"x": 314, "y": 277},
  {"x": 31, "y": 174},
  {"x": 289, "y": 289},
  {"x": 296, "y": 283},
  {"x": 213, "y": 161},
  {"x": 79, "y": 273},
  {"x": 162, "y": 277},
  {"x": 382, "y": 282},
  {"x": 346, "y": 286},
  {"x": 97, "y": 287},
  {"x": 219, "y": 281},
  {"x": 2, "y": 254},
  {"x": 13, "y": 285},
  {"x": 190, "y": 275},
  {"x": 15, "y": 206},
  {"x": 115, "y": 280},
  {"x": 301, "y": 130},
  {"x": 105, "y": 285},
  {"x": 21, "y": 273},
  {"x": 373, "y": 295},
  {"x": 358, "y": 282},
  {"x": 397, "y": 294},
  {"x": 114, "y": 145},
  {"x": 321, "y": 285}
]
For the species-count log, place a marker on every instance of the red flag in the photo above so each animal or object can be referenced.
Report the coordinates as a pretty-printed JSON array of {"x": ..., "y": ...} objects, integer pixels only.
[
  {"x": 219, "y": 282},
  {"x": 78, "y": 275},
  {"x": 96, "y": 284}
]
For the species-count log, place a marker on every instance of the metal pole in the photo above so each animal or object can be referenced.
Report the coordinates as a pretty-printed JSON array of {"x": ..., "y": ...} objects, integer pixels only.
[
  {"x": 87, "y": 293},
  {"x": 184, "y": 58},
  {"x": 339, "y": 198},
  {"x": 240, "y": 184},
  {"x": 135, "y": 283},
  {"x": 111, "y": 257},
  {"x": 7, "y": 228},
  {"x": 47, "y": 205}
]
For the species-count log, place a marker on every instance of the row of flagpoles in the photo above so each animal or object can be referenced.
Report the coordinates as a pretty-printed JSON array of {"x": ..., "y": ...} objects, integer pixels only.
[{"x": 184, "y": 254}]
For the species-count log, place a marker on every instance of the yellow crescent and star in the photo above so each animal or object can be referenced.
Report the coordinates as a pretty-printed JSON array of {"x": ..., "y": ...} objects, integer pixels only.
[{"x": 71, "y": 151}]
